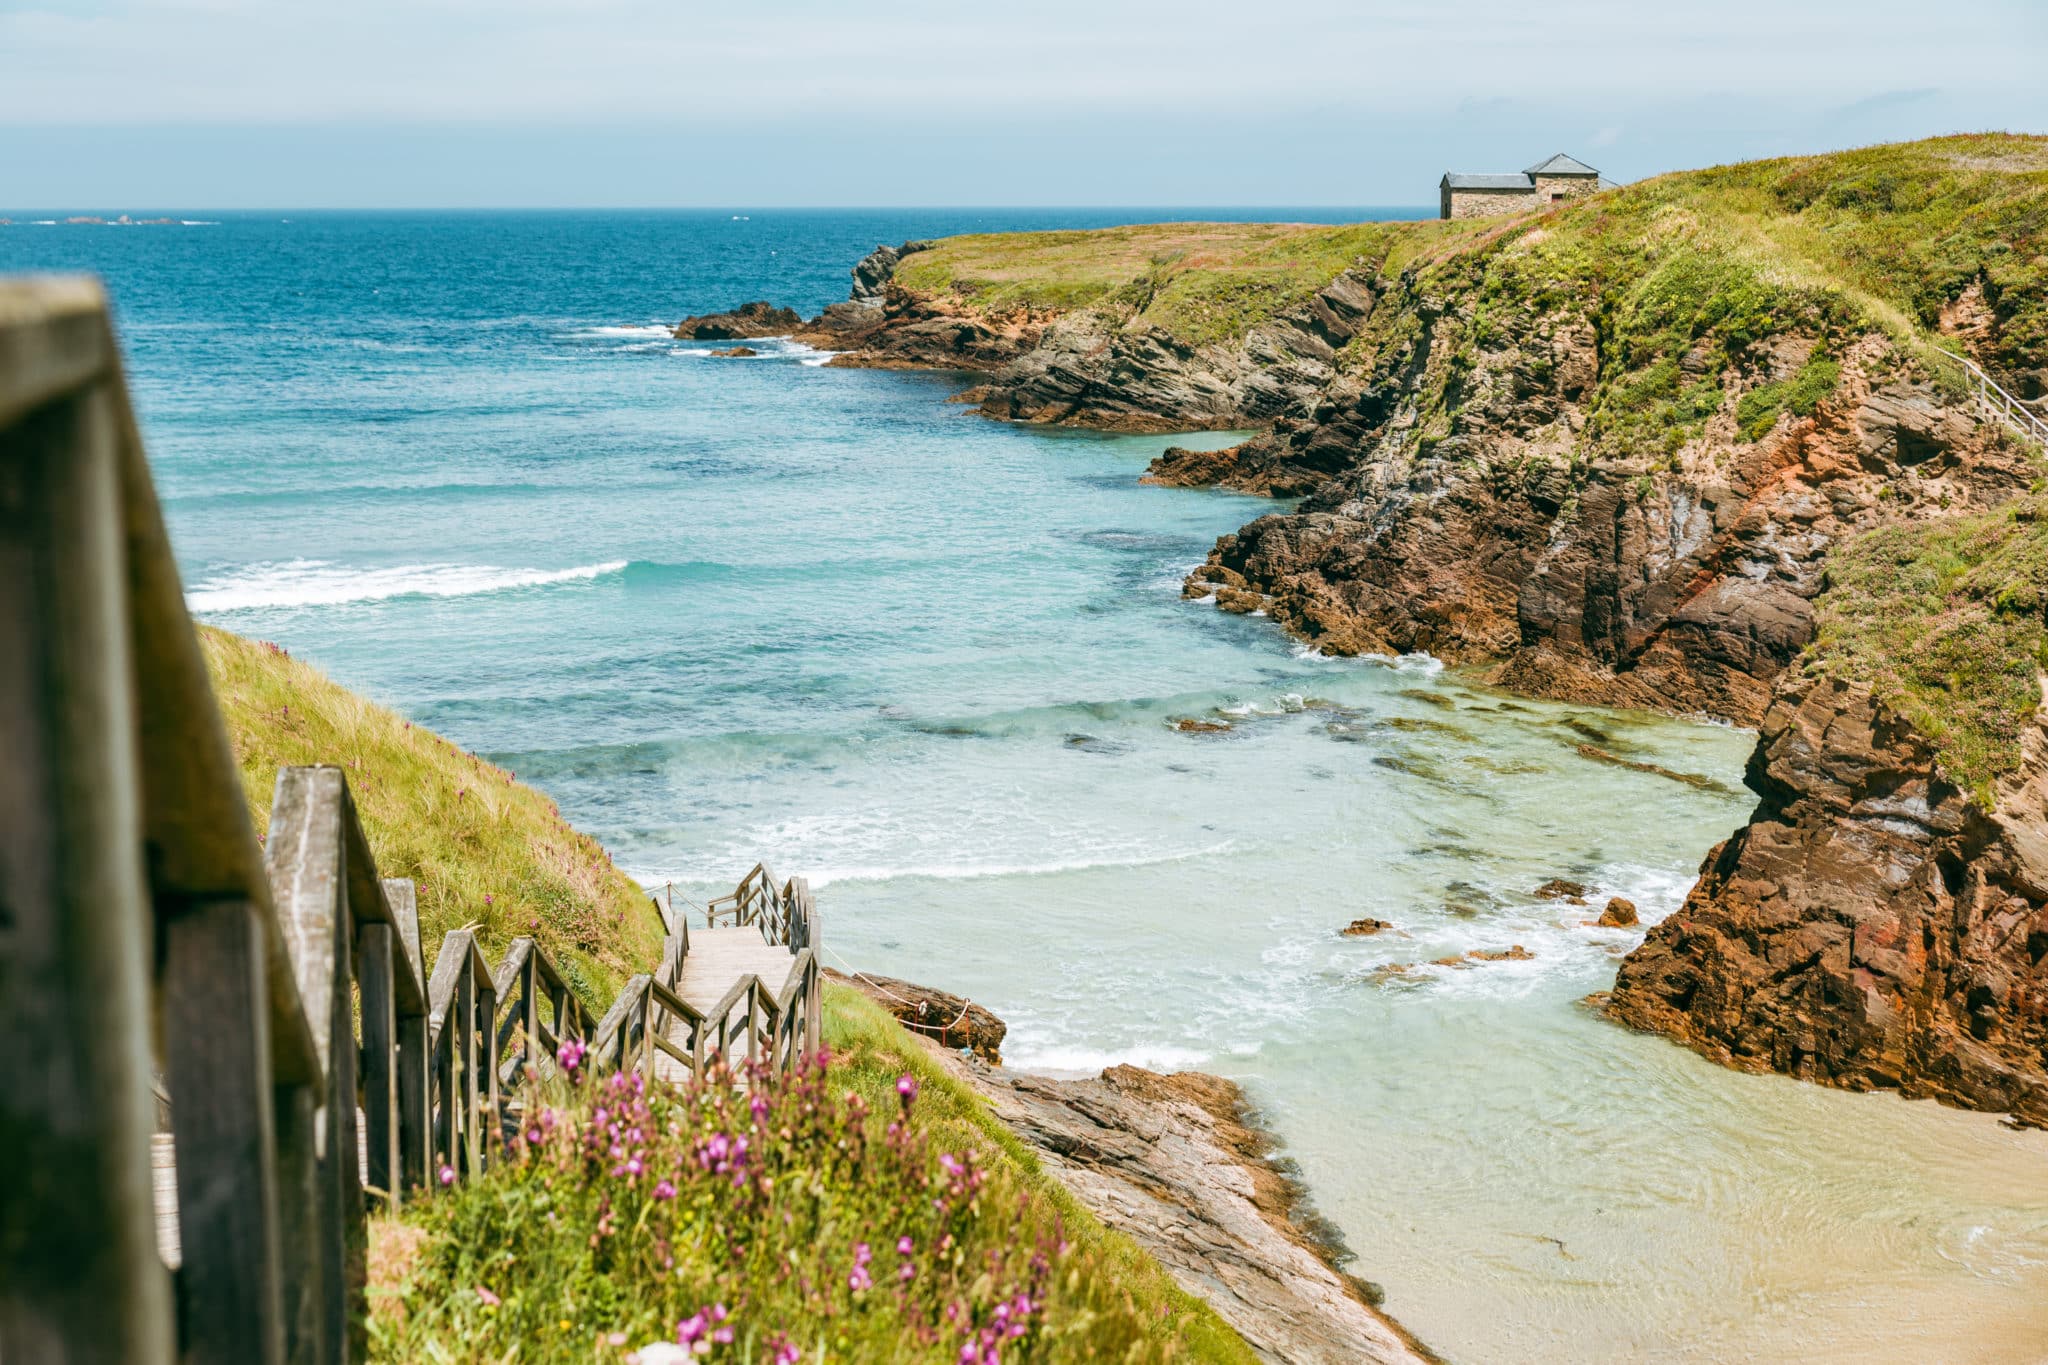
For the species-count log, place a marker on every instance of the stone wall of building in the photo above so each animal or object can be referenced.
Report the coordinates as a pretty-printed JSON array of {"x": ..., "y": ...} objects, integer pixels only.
[
  {"x": 1487, "y": 203},
  {"x": 1570, "y": 186}
]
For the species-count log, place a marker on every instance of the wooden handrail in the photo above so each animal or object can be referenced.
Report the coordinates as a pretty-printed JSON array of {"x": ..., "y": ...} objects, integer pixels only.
[
  {"x": 1994, "y": 402},
  {"x": 277, "y": 989}
]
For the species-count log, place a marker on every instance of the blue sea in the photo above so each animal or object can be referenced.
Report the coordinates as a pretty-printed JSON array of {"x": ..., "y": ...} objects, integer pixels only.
[{"x": 733, "y": 609}]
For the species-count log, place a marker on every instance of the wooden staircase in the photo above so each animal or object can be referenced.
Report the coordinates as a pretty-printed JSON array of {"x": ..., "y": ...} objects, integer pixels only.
[
  {"x": 250, "y": 1029},
  {"x": 1994, "y": 404}
]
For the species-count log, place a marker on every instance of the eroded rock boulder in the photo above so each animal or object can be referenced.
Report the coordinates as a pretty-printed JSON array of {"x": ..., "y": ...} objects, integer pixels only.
[{"x": 1871, "y": 925}]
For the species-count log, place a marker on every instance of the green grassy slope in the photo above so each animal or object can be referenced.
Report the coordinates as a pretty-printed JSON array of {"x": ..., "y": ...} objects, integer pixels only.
[
  {"x": 483, "y": 850},
  {"x": 1948, "y": 622}
]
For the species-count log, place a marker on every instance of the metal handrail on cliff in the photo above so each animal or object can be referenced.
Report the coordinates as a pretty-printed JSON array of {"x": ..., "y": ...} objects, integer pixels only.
[
  {"x": 1994, "y": 402},
  {"x": 309, "y": 1066}
]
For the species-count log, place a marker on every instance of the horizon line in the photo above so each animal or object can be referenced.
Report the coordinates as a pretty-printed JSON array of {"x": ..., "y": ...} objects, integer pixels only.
[{"x": 692, "y": 208}]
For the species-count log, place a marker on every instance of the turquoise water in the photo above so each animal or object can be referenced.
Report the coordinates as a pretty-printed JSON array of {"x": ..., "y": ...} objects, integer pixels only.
[{"x": 731, "y": 609}]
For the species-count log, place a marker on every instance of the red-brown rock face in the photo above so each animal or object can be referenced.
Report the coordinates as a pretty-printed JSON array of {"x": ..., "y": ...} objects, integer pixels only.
[
  {"x": 1869, "y": 926},
  {"x": 1678, "y": 582}
]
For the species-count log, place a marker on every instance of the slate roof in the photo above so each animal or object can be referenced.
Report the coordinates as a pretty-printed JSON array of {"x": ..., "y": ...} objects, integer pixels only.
[
  {"x": 1458, "y": 180},
  {"x": 1562, "y": 165}
]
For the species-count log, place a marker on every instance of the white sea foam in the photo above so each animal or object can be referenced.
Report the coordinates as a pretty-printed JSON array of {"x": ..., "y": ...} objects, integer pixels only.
[
  {"x": 319, "y": 583},
  {"x": 651, "y": 330},
  {"x": 199, "y": 222},
  {"x": 963, "y": 871},
  {"x": 1089, "y": 1061},
  {"x": 808, "y": 355}
]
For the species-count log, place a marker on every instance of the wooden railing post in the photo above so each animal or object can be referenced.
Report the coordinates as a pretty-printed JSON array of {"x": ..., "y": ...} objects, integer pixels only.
[
  {"x": 380, "y": 1060},
  {"x": 300, "y": 1231},
  {"x": 532, "y": 1068},
  {"x": 490, "y": 1128},
  {"x": 309, "y": 884},
  {"x": 467, "y": 1100},
  {"x": 218, "y": 1066},
  {"x": 415, "y": 1078},
  {"x": 79, "y": 1275}
]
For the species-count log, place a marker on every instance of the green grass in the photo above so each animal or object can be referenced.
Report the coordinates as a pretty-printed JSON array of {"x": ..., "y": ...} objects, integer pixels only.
[
  {"x": 1761, "y": 407},
  {"x": 858, "y": 1227},
  {"x": 483, "y": 850},
  {"x": 1194, "y": 282},
  {"x": 1945, "y": 621}
]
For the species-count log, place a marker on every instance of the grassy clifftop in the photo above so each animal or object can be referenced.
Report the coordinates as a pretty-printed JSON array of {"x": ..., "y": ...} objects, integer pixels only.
[
  {"x": 484, "y": 850},
  {"x": 1896, "y": 234},
  {"x": 1196, "y": 282}
]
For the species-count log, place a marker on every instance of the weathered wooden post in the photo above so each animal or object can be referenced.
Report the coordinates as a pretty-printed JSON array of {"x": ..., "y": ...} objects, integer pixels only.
[
  {"x": 307, "y": 858},
  {"x": 217, "y": 1038},
  {"x": 415, "y": 1077},
  {"x": 376, "y": 980},
  {"x": 490, "y": 1129},
  {"x": 80, "y": 1280}
]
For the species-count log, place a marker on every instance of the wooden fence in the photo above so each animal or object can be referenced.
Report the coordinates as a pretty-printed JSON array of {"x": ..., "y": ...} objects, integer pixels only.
[
  {"x": 270, "y": 1000},
  {"x": 1994, "y": 404}
]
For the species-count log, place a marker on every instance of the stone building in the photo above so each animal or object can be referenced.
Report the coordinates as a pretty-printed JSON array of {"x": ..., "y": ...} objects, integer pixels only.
[{"x": 1478, "y": 196}]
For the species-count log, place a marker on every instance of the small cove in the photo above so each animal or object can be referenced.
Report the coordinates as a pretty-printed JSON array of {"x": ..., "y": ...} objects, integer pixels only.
[{"x": 722, "y": 608}]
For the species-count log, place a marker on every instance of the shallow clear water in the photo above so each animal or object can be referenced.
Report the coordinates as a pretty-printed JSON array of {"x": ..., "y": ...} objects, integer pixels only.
[{"x": 725, "y": 609}]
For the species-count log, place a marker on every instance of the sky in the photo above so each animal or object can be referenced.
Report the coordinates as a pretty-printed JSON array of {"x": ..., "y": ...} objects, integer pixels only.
[{"x": 137, "y": 104}]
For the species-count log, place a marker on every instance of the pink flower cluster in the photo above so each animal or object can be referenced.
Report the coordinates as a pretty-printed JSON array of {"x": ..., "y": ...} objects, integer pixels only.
[
  {"x": 704, "y": 1329},
  {"x": 762, "y": 1196}
]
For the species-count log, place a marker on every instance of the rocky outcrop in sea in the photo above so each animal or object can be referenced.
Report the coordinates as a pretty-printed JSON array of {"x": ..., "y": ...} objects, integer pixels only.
[{"x": 1077, "y": 368}]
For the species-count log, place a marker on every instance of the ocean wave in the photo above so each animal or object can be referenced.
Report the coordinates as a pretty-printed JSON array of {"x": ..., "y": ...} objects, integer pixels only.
[
  {"x": 964, "y": 871},
  {"x": 651, "y": 330},
  {"x": 1090, "y": 1061},
  {"x": 199, "y": 222},
  {"x": 319, "y": 583},
  {"x": 1407, "y": 663}
]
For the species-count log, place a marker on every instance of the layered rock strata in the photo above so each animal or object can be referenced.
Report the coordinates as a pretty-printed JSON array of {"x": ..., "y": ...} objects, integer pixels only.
[
  {"x": 1629, "y": 582},
  {"x": 1871, "y": 925}
]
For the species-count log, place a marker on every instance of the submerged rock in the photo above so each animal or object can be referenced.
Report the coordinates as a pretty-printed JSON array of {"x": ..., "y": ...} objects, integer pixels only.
[
  {"x": 1559, "y": 889},
  {"x": 1361, "y": 928},
  {"x": 1188, "y": 725},
  {"x": 737, "y": 351},
  {"x": 1515, "y": 954}
]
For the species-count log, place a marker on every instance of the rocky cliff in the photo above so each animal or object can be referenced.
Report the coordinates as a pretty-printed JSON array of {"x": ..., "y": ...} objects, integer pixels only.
[
  {"x": 1872, "y": 925},
  {"x": 1168, "y": 327},
  {"x": 1614, "y": 452}
]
